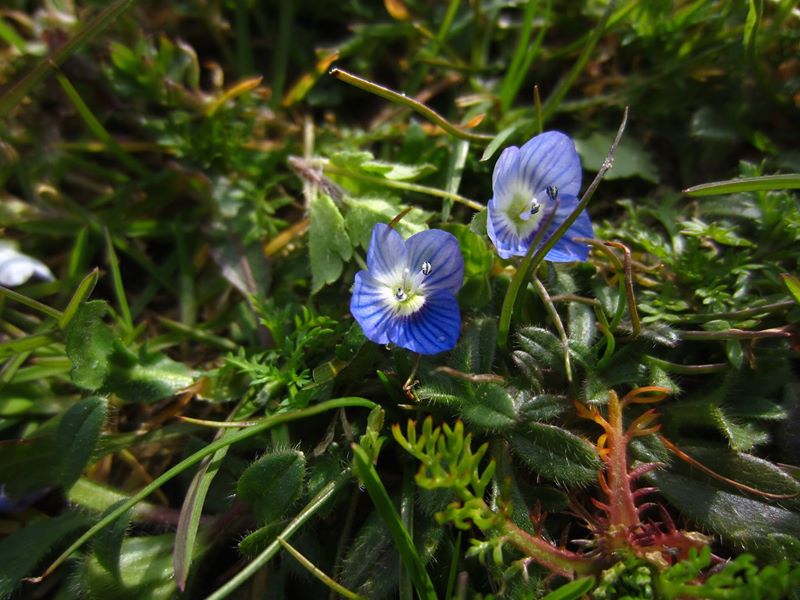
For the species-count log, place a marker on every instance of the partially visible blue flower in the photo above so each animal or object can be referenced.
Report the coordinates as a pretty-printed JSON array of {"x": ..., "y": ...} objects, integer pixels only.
[
  {"x": 407, "y": 295},
  {"x": 529, "y": 183}
]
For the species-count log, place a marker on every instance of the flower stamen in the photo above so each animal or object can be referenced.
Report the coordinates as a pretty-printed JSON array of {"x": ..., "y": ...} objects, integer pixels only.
[{"x": 426, "y": 268}]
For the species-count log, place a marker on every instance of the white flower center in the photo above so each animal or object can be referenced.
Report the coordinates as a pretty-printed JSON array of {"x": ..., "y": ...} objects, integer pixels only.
[
  {"x": 406, "y": 295},
  {"x": 526, "y": 210}
]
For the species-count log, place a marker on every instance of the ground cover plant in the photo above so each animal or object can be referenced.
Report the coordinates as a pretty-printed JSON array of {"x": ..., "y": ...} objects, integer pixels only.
[{"x": 399, "y": 299}]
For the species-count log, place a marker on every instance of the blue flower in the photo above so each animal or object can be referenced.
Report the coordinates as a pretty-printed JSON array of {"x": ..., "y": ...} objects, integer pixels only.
[
  {"x": 407, "y": 295},
  {"x": 529, "y": 183}
]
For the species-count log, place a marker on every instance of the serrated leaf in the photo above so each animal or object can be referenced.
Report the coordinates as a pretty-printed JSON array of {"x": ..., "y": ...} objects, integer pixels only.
[
  {"x": 489, "y": 407},
  {"x": 77, "y": 435},
  {"x": 273, "y": 483},
  {"x": 89, "y": 345},
  {"x": 328, "y": 245},
  {"x": 556, "y": 454}
]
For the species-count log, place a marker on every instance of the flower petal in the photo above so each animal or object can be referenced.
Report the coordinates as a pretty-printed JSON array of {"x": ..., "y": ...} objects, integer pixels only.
[
  {"x": 551, "y": 159},
  {"x": 565, "y": 249},
  {"x": 505, "y": 176},
  {"x": 386, "y": 254},
  {"x": 441, "y": 251},
  {"x": 16, "y": 268},
  {"x": 432, "y": 329},
  {"x": 503, "y": 233},
  {"x": 370, "y": 307}
]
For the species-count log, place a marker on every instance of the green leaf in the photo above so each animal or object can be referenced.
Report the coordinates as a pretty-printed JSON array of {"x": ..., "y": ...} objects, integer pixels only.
[
  {"x": 364, "y": 213},
  {"x": 742, "y": 435},
  {"x": 489, "y": 407},
  {"x": 77, "y": 435},
  {"x": 145, "y": 377},
  {"x": 792, "y": 284},
  {"x": 630, "y": 160},
  {"x": 273, "y": 483},
  {"x": 86, "y": 33},
  {"x": 540, "y": 407},
  {"x": 145, "y": 571},
  {"x": 556, "y": 454},
  {"x": 22, "y": 550},
  {"x": 790, "y": 181},
  {"x": 31, "y": 464},
  {"x": 498, "y": 141},
  {"x": 255, "y": 542},
  {"x": 89, "y": 344},
  {"x": 107, "y": 545},
  {"x": 371, "y": 567},
  {"x": 747, "y": 521},
  {"x": 391, "y": 519},
  {"x": 748, "y": 470},
  {"x": 475, "y": 351},
  {"x": 329, "y": 247},
  {"x": 572, "y": 590},
  {"x": 540, "y": 350}
]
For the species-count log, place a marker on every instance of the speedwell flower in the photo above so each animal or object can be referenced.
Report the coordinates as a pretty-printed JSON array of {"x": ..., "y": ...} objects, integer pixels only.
[
  {"x": 407, "y": 295},
  {"x": 529, "y": 184}
]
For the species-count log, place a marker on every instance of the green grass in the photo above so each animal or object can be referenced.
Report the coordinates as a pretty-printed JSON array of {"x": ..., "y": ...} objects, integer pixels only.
[{"x": 202, "y": 179}]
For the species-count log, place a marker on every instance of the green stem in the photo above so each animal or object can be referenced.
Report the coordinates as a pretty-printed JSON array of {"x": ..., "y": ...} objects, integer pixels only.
[
  {"x": 31, "y": 303},
  {"x": 414, "y": 105},
  {"x": 93, "y": 27},
  {"x": 316, "y": 503},
  {"x": 530, "y": 264},
  {"x": 211, "y": 448},
  {"x": 555, "y": 559},
  {"x": 554, "y": 316},
  {"x": 317, "y": 572},
  {"x": 97, "y": 129},
  {"x": 687, "y": 369},
  {"x": 563, "y": 86},
  {"x": 736, "y": 334},
  {"x": 402, "y": 185}
]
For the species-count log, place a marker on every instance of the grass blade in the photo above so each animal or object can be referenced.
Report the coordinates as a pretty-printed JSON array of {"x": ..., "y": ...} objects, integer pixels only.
[
  {"x": 224, "y": 442},
  {"x": 402, "y": 540},
  {"x": 316, "y": 503},
  {"x": 790, "y": 181},
  {"x": 95, "y": 25}
]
